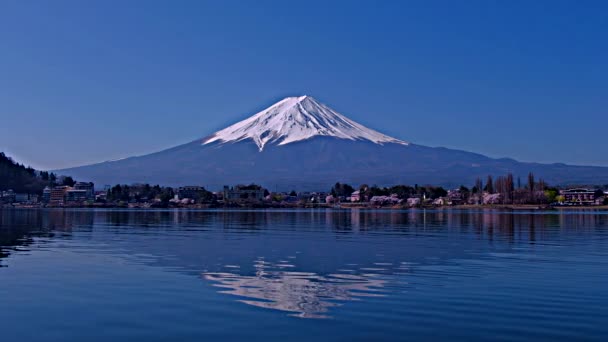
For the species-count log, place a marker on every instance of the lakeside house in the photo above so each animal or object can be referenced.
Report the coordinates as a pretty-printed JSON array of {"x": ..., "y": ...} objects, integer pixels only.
[
  {"x": 441, "y": 201},
  {"x": 580, "y": 196},
  {"x": 414, "y": 201},
  {"x": 455, "y": 197}
]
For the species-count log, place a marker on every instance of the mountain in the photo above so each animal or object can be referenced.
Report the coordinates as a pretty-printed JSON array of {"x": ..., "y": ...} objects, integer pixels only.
[{"x": 300, "y": 143}]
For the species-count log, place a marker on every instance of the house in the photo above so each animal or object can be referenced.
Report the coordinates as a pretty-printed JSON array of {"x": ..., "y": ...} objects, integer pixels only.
[
  {"x": 330, "y": 199},
  {"x": 441, "y": 201},
  {"x": 355, "y": 196},
  {"x": 455, "y": 197},
  {"x": 413, "y": 201},
  {"x": 579, "y": 196}
]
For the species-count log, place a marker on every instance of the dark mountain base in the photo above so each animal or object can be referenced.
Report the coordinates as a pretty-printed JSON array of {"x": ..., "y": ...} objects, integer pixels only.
[{"x": 317, "y": 163}]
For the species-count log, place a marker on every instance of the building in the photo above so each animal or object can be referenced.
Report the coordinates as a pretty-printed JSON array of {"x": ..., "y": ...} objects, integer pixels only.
[
  {"x": 579, "y": 196},
  {"x": 88, "y": 187},
  {"x": 455, "y": 197},
  {"x": 26, "y": 198},
  {"x": 7, "y": 196},
  {"x": 57, "y": 195},
  {"x": 243, "y": 192},
  {"x": 192, "y": 192},
  {"x": 76, "y": 196},
  {"x": 355, "y": 196},
  {"x": 441, "y": 201},
  {"x": 46, "y": 195},
  {"x": 413, "y": 201},
  {"x": 101, "y": 195}
]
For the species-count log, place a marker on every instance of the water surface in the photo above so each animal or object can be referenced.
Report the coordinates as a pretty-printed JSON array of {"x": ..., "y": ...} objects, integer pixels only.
[{"x": 83, "y": 275}]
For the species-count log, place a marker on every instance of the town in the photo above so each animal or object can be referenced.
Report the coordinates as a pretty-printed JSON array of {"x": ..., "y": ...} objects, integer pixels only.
[
  {"x": 24, "y": 187},
  {"x": 84, "y": 194}
]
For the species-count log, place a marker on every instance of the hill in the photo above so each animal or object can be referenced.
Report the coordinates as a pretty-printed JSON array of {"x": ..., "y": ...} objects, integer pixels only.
[{"x": 20, "y": 178}]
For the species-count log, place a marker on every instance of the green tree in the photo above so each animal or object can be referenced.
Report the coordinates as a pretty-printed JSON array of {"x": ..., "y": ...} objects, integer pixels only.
[
  {"x": 489, "y": 185},
  {"x": 551, "y": 195},
  {"x": 341, "y": 190},
  {"x": 68, "y": 181}
]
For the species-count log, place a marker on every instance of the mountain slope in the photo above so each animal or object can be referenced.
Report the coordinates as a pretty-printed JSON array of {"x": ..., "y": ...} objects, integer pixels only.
[
  {"x": 301, "y": 144},
  {"x": 294, "y": 119}
]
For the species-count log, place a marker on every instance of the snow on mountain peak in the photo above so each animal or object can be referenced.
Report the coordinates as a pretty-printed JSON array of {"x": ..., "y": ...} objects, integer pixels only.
[{"x": 294, "y": 119}]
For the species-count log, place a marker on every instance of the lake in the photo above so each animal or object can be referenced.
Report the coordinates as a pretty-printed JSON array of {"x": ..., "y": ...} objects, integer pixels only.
[{"x": 86, "y": 275}]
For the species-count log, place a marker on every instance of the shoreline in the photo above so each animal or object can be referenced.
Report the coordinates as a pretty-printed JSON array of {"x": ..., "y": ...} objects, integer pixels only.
[{"x": 342, "y": 206}]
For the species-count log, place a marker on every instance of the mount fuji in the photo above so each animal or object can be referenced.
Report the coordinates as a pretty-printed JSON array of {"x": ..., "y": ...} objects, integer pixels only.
[{"x": 300, "y": 143}]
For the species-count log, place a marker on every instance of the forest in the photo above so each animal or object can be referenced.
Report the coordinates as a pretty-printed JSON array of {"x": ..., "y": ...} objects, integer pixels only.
[{"x": 21, "y": 178}]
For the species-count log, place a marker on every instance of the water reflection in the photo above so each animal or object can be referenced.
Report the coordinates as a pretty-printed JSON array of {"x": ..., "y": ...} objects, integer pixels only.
[
  {"x": 302, "y": 294},
  {"x": 444, "y": 273}
]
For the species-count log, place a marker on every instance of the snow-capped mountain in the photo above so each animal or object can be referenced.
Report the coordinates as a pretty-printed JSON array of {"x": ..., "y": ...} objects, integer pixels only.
[
  {"x": 294, "y": 119},
  {"x": 300, "y": 143}
]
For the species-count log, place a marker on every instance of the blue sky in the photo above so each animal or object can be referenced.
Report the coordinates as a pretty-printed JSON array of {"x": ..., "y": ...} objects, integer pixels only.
[{"x": 87, "y": 81}]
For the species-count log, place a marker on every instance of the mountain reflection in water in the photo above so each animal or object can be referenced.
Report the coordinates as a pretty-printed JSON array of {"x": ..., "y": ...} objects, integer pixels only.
[
  {"x": 303, "y": 294},
  {"x": 236, "y": 275}
]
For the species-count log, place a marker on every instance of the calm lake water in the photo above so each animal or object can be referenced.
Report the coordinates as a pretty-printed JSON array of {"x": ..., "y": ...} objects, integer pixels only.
[{"x": 82, "y": 275}]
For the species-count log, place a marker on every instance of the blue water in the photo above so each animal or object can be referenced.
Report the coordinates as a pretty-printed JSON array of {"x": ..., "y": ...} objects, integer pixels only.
[{"x": 81, "y": 275}]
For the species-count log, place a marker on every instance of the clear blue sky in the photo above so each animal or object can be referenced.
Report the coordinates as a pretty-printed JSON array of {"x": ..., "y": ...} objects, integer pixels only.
[{"x": 87, "y": 81}]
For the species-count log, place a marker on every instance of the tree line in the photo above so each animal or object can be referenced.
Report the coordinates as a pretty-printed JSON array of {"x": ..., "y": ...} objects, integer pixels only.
[{"x": 402, "y": 191}]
